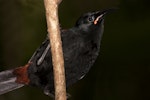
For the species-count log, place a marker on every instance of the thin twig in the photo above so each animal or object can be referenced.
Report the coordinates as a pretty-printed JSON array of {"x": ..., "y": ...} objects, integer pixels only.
[{"x": 51, "y": 7}]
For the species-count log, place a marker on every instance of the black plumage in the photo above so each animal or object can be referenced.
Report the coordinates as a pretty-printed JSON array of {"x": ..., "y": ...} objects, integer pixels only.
[{"x": 81, "y": 46}]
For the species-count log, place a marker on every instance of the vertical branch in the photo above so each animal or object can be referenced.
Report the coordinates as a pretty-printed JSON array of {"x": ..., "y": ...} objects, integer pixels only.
[{"x": 51, "y": 7}]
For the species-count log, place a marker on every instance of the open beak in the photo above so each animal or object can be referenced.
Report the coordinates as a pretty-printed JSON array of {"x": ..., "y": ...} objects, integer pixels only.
[{"x": 99, "y": 15}]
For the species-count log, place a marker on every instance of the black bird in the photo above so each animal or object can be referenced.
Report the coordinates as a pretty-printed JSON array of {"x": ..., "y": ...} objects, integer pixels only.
[{"x": 81, "y": 46}]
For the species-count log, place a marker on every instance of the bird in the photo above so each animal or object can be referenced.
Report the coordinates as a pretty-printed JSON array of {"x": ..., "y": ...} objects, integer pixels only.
[{"x": 81, "y": 47}]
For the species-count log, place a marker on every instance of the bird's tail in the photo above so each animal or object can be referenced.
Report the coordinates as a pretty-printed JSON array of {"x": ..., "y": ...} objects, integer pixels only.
[{"x": 8, "y": 82}]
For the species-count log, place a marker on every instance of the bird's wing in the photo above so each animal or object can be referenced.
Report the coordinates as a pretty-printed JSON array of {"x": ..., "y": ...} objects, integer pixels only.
[{"x": 41, "y": 52}]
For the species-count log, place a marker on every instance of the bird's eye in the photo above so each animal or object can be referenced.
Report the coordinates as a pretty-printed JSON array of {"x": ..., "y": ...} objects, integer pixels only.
[{"x": 91, "y": 19}]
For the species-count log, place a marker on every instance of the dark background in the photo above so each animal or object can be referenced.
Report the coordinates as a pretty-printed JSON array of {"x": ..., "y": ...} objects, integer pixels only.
[{"x": 122, "y": 71}]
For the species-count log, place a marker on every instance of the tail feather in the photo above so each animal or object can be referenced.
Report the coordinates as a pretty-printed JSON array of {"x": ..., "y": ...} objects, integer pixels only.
[{"x": 8, "y": 82}]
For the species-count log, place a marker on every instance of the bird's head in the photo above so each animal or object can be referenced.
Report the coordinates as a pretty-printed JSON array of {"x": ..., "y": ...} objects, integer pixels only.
[{"x": 92, "y": 21}]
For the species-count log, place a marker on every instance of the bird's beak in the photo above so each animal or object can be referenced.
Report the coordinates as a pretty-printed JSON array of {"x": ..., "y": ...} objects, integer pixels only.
[{"x": 99, "y": 15}]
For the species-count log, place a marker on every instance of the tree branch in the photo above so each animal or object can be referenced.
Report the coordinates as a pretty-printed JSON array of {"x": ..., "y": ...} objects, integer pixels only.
[{"x": 51, "y": 7}]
